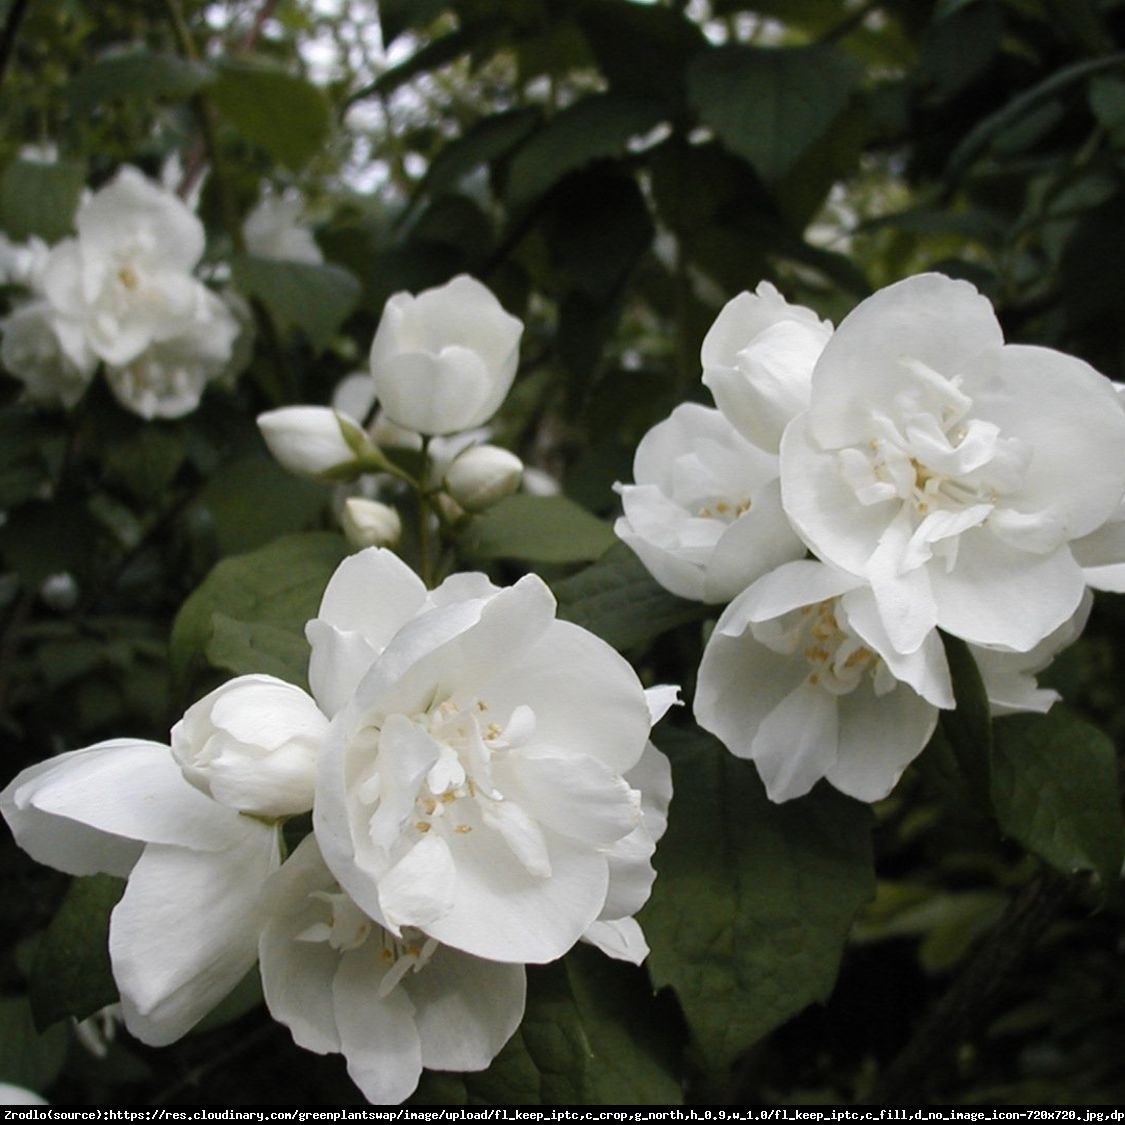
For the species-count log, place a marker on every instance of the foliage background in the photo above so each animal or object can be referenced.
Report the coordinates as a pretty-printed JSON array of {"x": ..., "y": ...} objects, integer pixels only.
[{"x": 614, "y": 171}]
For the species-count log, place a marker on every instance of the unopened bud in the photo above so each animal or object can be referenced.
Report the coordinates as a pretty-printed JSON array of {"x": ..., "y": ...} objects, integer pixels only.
[
  {"x": 368, "y": 523},
  {"x": 314, "y": 441},
  {"x": 482, "y": 475}
]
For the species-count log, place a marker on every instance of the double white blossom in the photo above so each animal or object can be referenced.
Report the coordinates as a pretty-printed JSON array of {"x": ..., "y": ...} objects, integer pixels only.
[
  {"x": 951, "y": 471},
  {"x": 472, "y": 784},
  {"x": 273, "y": 229}
]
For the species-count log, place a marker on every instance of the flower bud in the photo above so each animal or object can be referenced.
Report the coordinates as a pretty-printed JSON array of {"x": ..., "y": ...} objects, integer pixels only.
[
  {"x": 443, "y": 361},
  {"x": 252, "y": 745},
  {"x": 482, "y": 475},
  {"x": 368, "y": 523},
  {"x": 313, "y": 441}
]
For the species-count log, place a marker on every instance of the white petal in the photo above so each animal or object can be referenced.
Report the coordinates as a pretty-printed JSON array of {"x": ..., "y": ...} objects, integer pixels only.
[
  {"x": 661, "y": 699},
  {"x": 186, "y": 931},
  {"x": 466, "y": 1009},
  {"x": 421, "y": 888},
  {"x": 796, "y": 744},
  {"x": 622, "y": 939},
  {"x": 378, "y": 1035}
]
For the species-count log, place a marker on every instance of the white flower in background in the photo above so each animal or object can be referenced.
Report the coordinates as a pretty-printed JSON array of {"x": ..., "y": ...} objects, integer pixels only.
[
  {"x": 390, "y": 1003},
  {"x": 127, "y": 277},
  {"x": 19, "y": 1095},
  {"x": 758, "y": 359},
  {"x": 252, "y": 745},
  {"x": 370, "y": 523},
  {"x": 186, "y": 929},
  {"x": 21, "y": 263},
  {"x": 472, "y": 782},
  {"x": 800, "y": 676},
  {"x": 168, "y": 378},
  {"x": 53, "y": 362},
  {"x": 98, "y": 1031},
  {"x": 444, "y": 360},
  {"x": 314, "y": 441},
  {"x": 705, "y": 514},
  {"x": 273, "y": 230},
  {"x": 354, "y": 395},
  {"x": 1009, "y": 677},
  {"x": 482, "y": 475},
  {"x": 951, "y": 471}
]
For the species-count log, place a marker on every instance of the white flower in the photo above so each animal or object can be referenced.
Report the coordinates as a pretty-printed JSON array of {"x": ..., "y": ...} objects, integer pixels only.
[
  {"x": 472, "y": 782},
  {"x": 127, "y": 277},
  {"x": 950, "y": 470},
  {"x": 391, "y": 1004},
  {"x": 168, "y": 378},
  {"x": 799, "y": 675},
  {"x": 758, "y": 359},
  {"x": 370, "y": 523},
  {"x": 252, "y": 744},
  {"x": 705, "y": 515},
  {"x": 1009, "y": 677},
  {"x": 443, "y": 361},
  {"x": 19, "y": 1095},
  {"x": 314, "y": 441},
  {"x": 483, "y": 475},
  {"x": 46, "y": 354},
  {"x": 273, "y": 230},
  {"x": 186, "y": 929}
]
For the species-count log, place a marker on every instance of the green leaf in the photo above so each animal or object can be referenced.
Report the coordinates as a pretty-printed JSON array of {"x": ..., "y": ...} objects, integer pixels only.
[
  {"x": 968, "y": 727},
  {"x": 136, "y": 74},
  {"x": 71, "y": 975},
  {"x": 40, "y": 199},
  {"x": 591, "y": 1035},
  {"x": 486, "y": 141},
  {"x": 252, "y": 500},
  {"x": 1054, "y": 785},
  {"x": 622, "y": 603},
  {"x": 317, "y": 299},
  {"x": 286, "y": 115},
  {"x": 397, "y": 16},
  {"x": 28, "y": 1058},
  {"x": 770, "y": 104},
  {"x": 251, "y": 609},
  {"x": 547, "y": 529},
  {"x": 753, "y": 901},
  {"x": 42, "y": 538},
  {"x": 594, "y": 128}
]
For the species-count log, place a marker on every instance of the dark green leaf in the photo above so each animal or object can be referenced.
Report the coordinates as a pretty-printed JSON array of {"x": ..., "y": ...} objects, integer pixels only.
[
  {"x": 137, "y": 74},
  {"x": 548, "y": 529},
  {"x": 28, "y": 1058},
  {"x": 769, "y": 105},
  {"x": 753, "y": 901},
  {"x": 71, "y": 973},
  {"x": 44, "y": 538},
  {"x": 314, "y": 298},
  {"x": 968, "y": 727},
  {"x": 397, "y": 16},
  {"x": 618, "y": 599},
  {"x": 1055, "y": 789},
  {"x": 253, "y": 500},
  {"x": 287, "y": 116},
  {"x": 488, "y": 140},
  {"x": 643, "y": 49},
  {"x": 266, "y": 597},
  {"x": 40, "y": 199},
  {"x": 596, "y": 127}
]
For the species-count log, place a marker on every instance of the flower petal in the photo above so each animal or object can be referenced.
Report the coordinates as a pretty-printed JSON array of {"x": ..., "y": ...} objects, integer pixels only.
[
  {"x": 795, "y": 745},
  {"x": 421, "y": 888},
  {"x": 622, "y": 939}
]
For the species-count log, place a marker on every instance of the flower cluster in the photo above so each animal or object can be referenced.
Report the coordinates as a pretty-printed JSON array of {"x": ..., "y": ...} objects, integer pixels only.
[
  {"x": 482, "y": 788},
  {"x": 120, "y": 294},
  {"x": 441, "y": 364},
  {"x": 939, "y": 478}
]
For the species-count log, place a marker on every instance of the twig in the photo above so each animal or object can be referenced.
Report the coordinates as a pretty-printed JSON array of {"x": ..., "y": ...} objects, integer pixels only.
[{"x": 972, "y": 995}]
